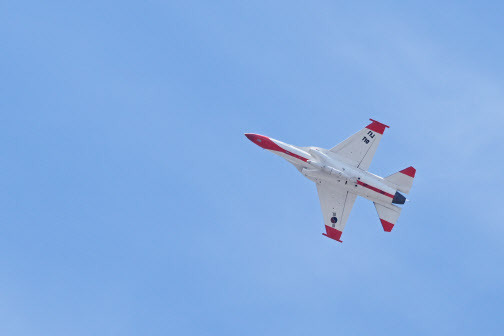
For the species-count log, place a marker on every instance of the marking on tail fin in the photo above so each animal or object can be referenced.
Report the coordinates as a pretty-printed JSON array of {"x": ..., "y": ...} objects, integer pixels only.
[{"x": 410, "y": 171}]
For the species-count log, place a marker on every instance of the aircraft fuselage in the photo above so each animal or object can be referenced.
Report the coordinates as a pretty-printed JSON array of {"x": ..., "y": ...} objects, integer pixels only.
[{"x": 319, "y": 164}]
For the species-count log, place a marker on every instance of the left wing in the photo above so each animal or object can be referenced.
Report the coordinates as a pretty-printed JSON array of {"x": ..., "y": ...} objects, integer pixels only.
[
  {"x": 336, "y": 205},
  {"x": 359, "y": 149}
]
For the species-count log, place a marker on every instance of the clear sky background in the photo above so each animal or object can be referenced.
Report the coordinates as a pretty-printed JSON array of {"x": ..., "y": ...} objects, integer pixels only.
[{"x": 132, "y": 204}]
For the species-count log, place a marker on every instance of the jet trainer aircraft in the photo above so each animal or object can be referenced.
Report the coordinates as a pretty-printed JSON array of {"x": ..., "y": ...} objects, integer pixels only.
[{"x": 341, "y": 175}]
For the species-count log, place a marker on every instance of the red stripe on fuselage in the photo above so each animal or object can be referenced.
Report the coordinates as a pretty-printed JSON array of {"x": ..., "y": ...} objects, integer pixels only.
[
  {"x": 294, "y": 155},
  {"x": 375, "y": 189}
]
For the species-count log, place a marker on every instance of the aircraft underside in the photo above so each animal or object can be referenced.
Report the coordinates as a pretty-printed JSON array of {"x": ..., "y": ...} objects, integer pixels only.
[{"x": 341, "y": 175}]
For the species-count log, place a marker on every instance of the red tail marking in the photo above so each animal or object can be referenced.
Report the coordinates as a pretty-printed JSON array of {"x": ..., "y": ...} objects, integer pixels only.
[{"x": 410, "y": 171}]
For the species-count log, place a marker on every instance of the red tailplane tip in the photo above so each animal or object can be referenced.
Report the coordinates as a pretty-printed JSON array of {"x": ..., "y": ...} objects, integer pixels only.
[{"x": 387, "y": 226}]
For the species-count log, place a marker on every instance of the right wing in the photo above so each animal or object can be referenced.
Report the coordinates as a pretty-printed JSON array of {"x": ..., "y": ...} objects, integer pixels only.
[
  {"x": 359, "y": 149},
  {"x": 336, "y": 205}
]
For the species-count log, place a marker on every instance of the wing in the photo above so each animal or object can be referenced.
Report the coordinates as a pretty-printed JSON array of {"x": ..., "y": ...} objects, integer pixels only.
[
  {"x": 336, "y": 205},
  {"x": 359, "y": 149}
]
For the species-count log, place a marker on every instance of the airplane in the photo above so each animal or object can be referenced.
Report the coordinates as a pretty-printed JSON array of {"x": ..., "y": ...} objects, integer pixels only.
[{"x": 341, "y": 175}]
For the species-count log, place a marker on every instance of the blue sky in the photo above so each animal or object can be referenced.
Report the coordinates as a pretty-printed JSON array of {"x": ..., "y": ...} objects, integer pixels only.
[{"x": 132, "y": 204}]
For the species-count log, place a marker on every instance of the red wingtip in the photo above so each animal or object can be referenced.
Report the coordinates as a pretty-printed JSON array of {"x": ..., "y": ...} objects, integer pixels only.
[
  {"x": 377, "y": 126},
  {"x": 410, "y": 171},
  {"x": 333, "y": 233},
  {"x": 387, "y": 226},
  {"x": 341, "y": 241}
]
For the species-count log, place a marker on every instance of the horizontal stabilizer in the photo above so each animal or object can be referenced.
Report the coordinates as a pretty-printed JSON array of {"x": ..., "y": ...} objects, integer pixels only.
[
  {"x": 402, "y": 180},
  {"x": 388, "y": 215}
]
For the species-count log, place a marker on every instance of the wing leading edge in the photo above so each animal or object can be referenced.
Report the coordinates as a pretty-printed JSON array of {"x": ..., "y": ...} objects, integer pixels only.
[
  {"x": 336, "y": 204},
  {"x": 359, "y": 149}
]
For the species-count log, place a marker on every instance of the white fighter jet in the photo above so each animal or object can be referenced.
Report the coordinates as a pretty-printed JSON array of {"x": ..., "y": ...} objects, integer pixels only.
[{"x": 341, "y": 175}]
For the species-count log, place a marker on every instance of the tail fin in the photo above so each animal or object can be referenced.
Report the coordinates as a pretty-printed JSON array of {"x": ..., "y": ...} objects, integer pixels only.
[
  {"x": 402, "y": 180},
  {"x": 388, "y": 215}
]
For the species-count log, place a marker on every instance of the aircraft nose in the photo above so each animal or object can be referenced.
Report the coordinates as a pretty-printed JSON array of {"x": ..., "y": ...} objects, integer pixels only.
[
  {"x": 250, "y": 136},
  {"x": 255, "y": 138},
  {"x": 259, "y": 140}
]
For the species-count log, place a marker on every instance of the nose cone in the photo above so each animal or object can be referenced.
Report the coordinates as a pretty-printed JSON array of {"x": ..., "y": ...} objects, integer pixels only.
[{"x": 259, "y": 140}]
